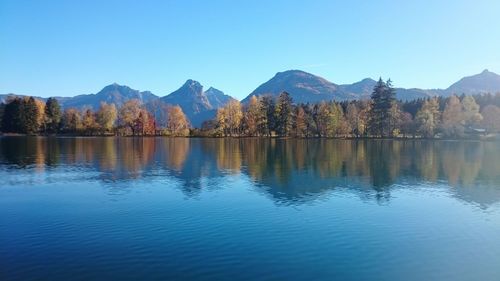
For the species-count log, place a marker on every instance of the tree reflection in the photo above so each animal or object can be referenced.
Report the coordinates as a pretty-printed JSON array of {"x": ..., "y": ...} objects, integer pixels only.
[{"x": 287, "y": 170}]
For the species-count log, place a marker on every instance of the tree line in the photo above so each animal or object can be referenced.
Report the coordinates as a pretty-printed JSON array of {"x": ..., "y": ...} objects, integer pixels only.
[
  {"x": 31, "y": 116},
  {"x": 380, "y": 116}
]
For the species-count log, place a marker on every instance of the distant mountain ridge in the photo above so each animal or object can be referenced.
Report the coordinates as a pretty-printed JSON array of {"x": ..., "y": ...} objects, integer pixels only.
[
  {"x": 200, "y": 105},
  {"x": 306, "y": 87},
  {"x": 114, "y": 93}
]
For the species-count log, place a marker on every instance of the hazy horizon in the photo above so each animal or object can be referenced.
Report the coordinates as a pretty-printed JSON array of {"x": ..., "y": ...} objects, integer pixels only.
[{"x": 59, "y": 48}]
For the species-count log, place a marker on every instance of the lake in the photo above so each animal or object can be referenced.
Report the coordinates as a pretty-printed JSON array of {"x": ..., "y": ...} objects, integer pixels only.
[{"x": 248, "y": 209}]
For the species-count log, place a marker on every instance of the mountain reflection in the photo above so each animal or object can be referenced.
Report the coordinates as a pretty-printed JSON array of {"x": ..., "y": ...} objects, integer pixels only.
[{"x": 288, "y": 171}]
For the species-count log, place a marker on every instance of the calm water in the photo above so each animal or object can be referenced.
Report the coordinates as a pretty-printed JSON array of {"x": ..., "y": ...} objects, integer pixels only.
[{"x": 229, "y": 209}]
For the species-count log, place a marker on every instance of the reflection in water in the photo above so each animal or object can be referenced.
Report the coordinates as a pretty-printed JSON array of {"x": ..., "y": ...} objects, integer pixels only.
[{"x": 289, "y": 171}]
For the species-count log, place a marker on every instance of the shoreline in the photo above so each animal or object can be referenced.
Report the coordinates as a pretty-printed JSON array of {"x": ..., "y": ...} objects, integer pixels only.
[{"x": 491, "y": 137}]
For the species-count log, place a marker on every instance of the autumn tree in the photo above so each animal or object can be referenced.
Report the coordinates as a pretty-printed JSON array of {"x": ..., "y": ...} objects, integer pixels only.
[
  {"x": 352, "y": 118},
  {"x": 453, "y": 118},
  {"x": 470, "y": 110},
  {"x": 428, "y": 118},
  {"x": 491, "y": 118},
  {"x": 106, "y": 117},
  {"x": 24, "y": 115},
  {"x": 335, "y": 119},
  {"x": 89, "y": 124},
  {"x": 40, "y": 106},
  {"x": 144, "y": 124},
  {"x": 407, "y": 124},
  {"x": 364, "y": 108},
  {"x": 322, "y": 119},
  {"x": 252, "y": 116},
  {"x": 300, "y": 124},
  {"x": 72, "y": 121},
  {"x": 395, "y": 114},
  {"x": 53, "y": 115},
  {"x": 128, "y": 115},
  {"x": 230, "y": 117},
  {"x": 177, "y": 122}
]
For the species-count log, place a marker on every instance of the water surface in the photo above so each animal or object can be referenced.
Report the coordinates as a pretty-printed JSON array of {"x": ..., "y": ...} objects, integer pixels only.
[{"x": 242, "y": 209}]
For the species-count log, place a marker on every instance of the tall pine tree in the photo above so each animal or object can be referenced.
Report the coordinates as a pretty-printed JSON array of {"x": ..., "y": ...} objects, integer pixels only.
[
  {"x": 381, "y": 115},
  {"x": 284, "y": 110}
]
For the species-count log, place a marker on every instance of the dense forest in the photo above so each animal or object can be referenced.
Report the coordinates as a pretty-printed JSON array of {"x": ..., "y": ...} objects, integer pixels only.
[{"x": 381, "y": 116}]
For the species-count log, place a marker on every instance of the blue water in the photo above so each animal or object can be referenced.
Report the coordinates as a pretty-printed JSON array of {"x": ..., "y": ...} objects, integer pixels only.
[{"x": 248, "y": 209}]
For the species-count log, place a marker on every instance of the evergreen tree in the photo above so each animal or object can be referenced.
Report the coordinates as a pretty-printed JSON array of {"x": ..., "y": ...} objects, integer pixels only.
[
  {"x": 283, "y": 115},
  {"x": 268, "y": 120},
  {"x": 11, "y": 121},
  {"x": 2, "y": 111},
  {"x": 29, "y": 116},
  {"x": 53, "y": 115},
  {"x": 382, "y": 112}
]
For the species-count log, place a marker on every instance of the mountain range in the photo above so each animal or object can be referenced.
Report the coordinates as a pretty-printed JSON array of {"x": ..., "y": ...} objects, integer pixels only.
[
  {"x": 305, "y": 87},
  {"x": 200, "y": 105}
]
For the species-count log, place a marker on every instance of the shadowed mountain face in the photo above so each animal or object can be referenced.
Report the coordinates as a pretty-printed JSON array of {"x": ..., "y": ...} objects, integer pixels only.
[
  {"x": 217, "y": 98},
  {"x": 198, "y": 105}
]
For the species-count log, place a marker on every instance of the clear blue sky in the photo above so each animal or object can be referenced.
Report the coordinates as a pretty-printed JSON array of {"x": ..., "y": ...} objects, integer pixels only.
[{"x": 77, "y": 47}]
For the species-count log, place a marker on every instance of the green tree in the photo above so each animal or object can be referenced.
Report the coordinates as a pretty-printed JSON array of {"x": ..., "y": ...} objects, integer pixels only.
[
  {"x": 268, "y": 122},
  {"x": 29, "y": 116},
  {"x": 53, "y": 115},
  {"x": 382, "y": 111},
  {"x": 2, "y": 112},
  {"x": 283, "y": 114},
  {"x": 11, "y": 121}
]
